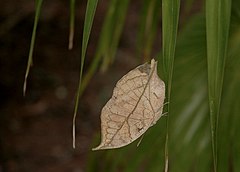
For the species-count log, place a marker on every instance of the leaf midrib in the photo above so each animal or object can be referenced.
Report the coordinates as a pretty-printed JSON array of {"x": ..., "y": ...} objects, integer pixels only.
[{"x": 127, "y": 118}]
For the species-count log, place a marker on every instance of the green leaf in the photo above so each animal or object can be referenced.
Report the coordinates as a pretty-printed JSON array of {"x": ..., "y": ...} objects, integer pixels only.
[
  {"x": 228, "y": 140},
  {"x": 71, "y": 24},
  {"x": 30, "y": 56},
  {"x": 109, "y": 38},
  {"x": 217, "y": 24},
  {"x": 89, "y": 15},
  {"x": 114, "y": 24},
  {"x": 147, "y": 28},
  {"x": 170, "y": 16}
]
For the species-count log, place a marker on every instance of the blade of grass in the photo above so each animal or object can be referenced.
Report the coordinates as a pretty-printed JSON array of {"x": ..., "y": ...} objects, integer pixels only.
[
  {"x": 142, "y": 27},
  {"x": 235, "y": 96},
  {"x": 151, "y": 27},
  {"x": 71, "y": 24},
  {"x": 30, "y": 56},
  {"x": 89, "y": 15},
  {"x": 170, "y": 16},
  {"x": 217, "y": 27},
  {"x": 109, "y": 38},
  {"x": 147, "y": 28},
  {"x": 117, "y": 21},
  {"x": 103, "y": 44},
  {"x": 230, "y": 99}
]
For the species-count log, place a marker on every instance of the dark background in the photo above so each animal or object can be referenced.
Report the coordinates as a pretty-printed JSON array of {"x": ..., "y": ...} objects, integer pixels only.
[{"x": 36, "y": 130}]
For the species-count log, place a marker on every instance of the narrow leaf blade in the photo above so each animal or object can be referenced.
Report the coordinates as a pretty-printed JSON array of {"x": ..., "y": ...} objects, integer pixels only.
[
  {"x": 90, "y": 12},
  {"x": 71, "y": 24},
  {"x": 217, "y": 27},
  {"x": 147, "y": 28},
  {"x": 30, "y": 56},
  {"x": 109, "y": 39},
  {"x": 117, "y": 22},
  {"x": 170, "y": 16}
]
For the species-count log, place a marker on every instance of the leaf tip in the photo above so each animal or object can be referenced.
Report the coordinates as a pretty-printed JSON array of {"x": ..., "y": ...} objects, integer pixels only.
[
  {"x": 99, "y": 147},
  {"x": 25, "y": 86},
  {"x": 74, "y": 135},
  {"x": 70, "y": 44}
]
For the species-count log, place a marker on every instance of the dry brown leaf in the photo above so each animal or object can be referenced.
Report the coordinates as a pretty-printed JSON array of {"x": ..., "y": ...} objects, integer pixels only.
[{"x": 136, "y": 105}]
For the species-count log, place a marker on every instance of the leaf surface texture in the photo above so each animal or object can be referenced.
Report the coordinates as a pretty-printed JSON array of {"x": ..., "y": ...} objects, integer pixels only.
[{"x": 136, "y": 105}]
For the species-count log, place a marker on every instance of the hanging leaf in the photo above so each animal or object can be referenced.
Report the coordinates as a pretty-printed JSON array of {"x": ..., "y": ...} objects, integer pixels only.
[{"x": 136, "y": 105}]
